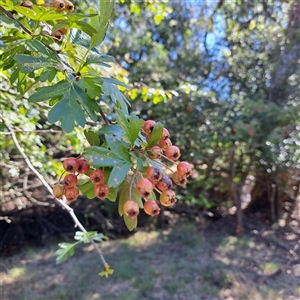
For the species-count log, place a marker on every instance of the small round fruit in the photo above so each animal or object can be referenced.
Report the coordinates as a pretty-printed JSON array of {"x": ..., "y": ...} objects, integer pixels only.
[
  {"x": 57, "y": 35},
  {"x": 59, "y": 5},
  {"x": 63, "y": 30},
  {"x": 154, "y": 174},
  {"x": 83, "y": 167},
  {"x": 167, "y": 198},
  {"x": 165, "y": 134},
  {"x": 173, "y": 153},
  {"x": 164, "y": 143},
  {"x": 184, "y": 168},
  {"x": 70, "y": 180},
  {"x": 148, "y": 126},
  {"x": 144, "y": 188},
  {"x": 179, "y": 179},
  {"x": 151, "y": 208},
  {"x": 131, "y": 209},
  {"x": 154, "y": 152},
  {"x": 70, "y": 164},
  {"x": 97, "y": 176},
  {"x": 164, "y": 184},
  {"x": 27, "y": 4},
  {"x": 58, "y": 190},
  {"x": 101, "y": 190},
  {"x": 71, "y": 193},
  {"x": 69, "y": 6}
]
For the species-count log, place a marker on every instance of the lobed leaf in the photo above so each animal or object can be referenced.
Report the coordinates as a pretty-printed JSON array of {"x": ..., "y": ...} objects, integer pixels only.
[{"x": 49, "y": 92}]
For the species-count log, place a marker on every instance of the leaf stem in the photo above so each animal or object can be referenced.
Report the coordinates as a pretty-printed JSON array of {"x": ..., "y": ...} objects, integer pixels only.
[{"x": 131, "y": 184}]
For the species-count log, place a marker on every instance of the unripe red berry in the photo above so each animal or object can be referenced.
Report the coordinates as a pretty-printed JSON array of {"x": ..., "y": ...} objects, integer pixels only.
[
  {"x": 164, "y": 184},
  {"x": 165, "y": 134},
  {"x": 58, "y": 190},
  {"x": 167, "y": 198},
  {"x": 69, "y": 6},
  {"x": 70, "y": 180},
  {"x": 164, "y": 143},
  {"x": 71, "y": 193},
  {"x": 131, "y": 209},
  {"x": 151, "y": 208},
  {"x": 184, "y": 168},
  {"x": 173, "y": 153},
  {"x": 59, "y": 5},
  {"x": 83, "y": 167},
  {"x": 144, "y": 188},
  {"x": 97, "y": 176},
  {"x": 179, "y": 179},
  {"x": 154, "y": 174},
  {"x": 101, "y": 190},
  {"x": 148, "y": 126},
  {"x": 154, "y": 152},
  {"x": 70, "y": 164}
]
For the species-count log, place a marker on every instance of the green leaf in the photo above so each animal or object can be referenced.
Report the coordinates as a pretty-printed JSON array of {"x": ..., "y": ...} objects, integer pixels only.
[
  {"x": 9, "y": 23},
  {"x": 48, "y": 74},
  {"x": 118, "y": 148},
  {"x": 49, "y": 92},
  {"x": 89, "y": 105},
  {"x": 90, "y": 86},
  {"x": 112, "y": 195},
  {"x": 85, "y": 27},
  {"x": 100, "y": 23},
  {"x": 155, "y": 135},
  {"x": 51, "y": 16},
  {"x": 114, "y": 130},
  {"x": 27, "y": 12},
  {"x": 100, "y": 157},
  {"x": 139, "y": 162},
  {"x": 31, "y": 63},
  {"x": 60, "y": 25},
  {"x": 130, "y": 223},
  {"x": 85, "y": 237},
  {"x": 68, "y": 111},
  {"x": 114, "y": 82},
  {"x": 99, "y": 59},
  {"x": 118, "y": 174},
  {"x": 87, "y": 189},
  {"x": 92, "y": 137},
  {"x": 66, "y": 250},
  {"x": 41, "y": 49}
]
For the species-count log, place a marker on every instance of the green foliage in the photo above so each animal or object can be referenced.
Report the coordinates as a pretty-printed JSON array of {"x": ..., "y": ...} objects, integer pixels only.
[{"x": 68, "y": 249}]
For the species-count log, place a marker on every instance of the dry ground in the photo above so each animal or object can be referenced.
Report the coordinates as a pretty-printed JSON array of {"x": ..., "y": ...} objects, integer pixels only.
[{"x": 182, "y": 262}]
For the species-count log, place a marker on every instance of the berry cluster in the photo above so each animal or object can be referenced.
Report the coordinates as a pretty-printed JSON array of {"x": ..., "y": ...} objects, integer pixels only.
[
  {"x": 68, "y": 188},
  {"x": 144, "y": 181},
  {"x": 155, "y": 179},
  {"x": 60, "y": 7},
  {"x": 74, "y": 167}
]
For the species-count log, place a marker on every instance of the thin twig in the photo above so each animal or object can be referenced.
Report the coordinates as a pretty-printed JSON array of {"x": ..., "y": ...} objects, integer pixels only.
[
  {"x": 104, "y": 117},
  {"x": 30, "y": 131},
  {"x": 48, "y": 187}
]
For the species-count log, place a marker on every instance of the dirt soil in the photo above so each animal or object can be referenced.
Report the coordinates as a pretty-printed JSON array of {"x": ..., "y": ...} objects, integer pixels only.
[{"x": 183, "y": 261}]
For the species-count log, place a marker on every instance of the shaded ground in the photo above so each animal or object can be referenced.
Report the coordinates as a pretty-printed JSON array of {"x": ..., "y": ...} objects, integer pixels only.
[{"x": 182, "y": 262}]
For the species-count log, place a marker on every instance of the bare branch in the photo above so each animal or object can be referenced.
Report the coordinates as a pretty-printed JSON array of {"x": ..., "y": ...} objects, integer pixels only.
[{"x": 48, "y": 187}]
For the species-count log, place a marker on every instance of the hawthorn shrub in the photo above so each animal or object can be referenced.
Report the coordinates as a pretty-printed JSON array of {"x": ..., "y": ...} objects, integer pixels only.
[{"x": 52, "y": 58}]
